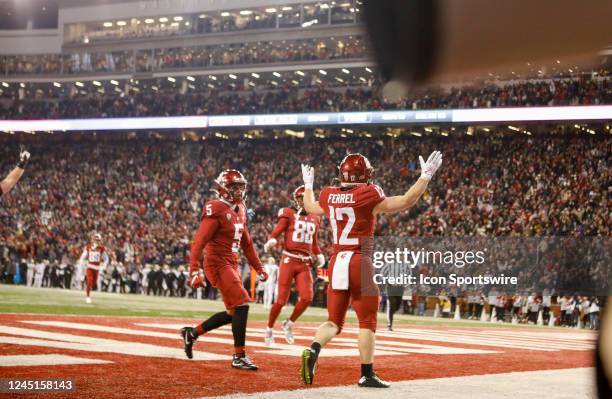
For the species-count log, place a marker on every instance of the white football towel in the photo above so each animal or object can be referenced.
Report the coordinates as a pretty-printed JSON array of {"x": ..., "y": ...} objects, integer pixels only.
[{"x": 340, "y": 277}]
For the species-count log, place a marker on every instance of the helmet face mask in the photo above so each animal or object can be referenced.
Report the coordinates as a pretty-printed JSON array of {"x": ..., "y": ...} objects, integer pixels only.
[{"x": 237, "y": 191}]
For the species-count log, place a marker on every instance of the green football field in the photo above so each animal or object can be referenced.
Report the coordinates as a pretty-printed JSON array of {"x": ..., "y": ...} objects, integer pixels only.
[{"x": 20, "y": 299}]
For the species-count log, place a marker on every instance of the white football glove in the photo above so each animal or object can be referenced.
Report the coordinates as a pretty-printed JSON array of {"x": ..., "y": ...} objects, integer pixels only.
[
  {"x": 429, "y": 168},
  {"x": 24, "y": 157},
  {"x": 308, "y": 176},
  {"x": 320, "y": 260},
  {"x": 269, "y": 244}
]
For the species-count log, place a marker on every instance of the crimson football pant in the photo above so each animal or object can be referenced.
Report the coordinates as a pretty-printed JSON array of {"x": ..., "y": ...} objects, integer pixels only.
[
  {"x": 91, "y": 280},
  {"x": 362, "y": 294},
  {"x": 292, "y": 269}
]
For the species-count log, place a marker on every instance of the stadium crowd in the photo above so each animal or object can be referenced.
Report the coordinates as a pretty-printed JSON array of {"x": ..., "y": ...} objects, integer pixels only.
[
  {"x": 266, "y": 52},
  {"x": 145, "y": 195},
  {"x": 172, "y": 101}
]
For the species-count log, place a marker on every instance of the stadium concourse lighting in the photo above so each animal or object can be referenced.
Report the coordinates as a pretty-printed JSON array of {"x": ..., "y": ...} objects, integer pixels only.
[
  {"x": 202, "y": 16},
  {"x": 225, "y": 14},
  {"x": 57, "y": 84},
  {"x": 368, "y": 70},
  {"x": 108, "y": 24},
  {"x": 255, "y": 75},
  {"x": 232, "y": 76},
  {"x": 114, "y": 82},
  {"x": 271, "y": 10},
  {"x": 149, "y": 21},
  {"x": 96, "y": 83},
  {"x": 191, "y": 78},
  {"x": 171, "y": 79},
  {"x": 80, "y": 84},
  {"x": 246, "y": 12},
  {"x": 163, "y": 19},
  {"x": 287, "y": 8},
  {"x": 121, "y": 23},
  {"x": 300, "y": 73},
  {"x": 278, "y": 75},
  {"x": 322, "y": 72},
  {"x": 178, "y": 18},
  {"x": 346, "y": 71}
]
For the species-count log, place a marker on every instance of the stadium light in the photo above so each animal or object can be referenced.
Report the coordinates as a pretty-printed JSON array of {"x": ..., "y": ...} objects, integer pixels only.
[
  {"x": 96, "y": 83},
  {"x": 246, "y": 12},
  {"x": 80, "y": 84},
  {"x": 121, "y": 23},
  {"x": 202, "y": 16},
  {"x": 322, "y": 72},
  {"x": 171, "y": 79},
  {"x": 225, "y": 14},
  {"x": 114, "y": 82},
  {"x": 368, "y": 70},
  {"x": 178, "y": 18},
  {"x": 255, "y": 75},
  {"x": 346, "y": 71},
  {"x": 287, "y": 8},
  {"x": 163, "y": 19},
  {"x": 278, "y": 75},
  {"x": 108, "y": 24},
  {"x": 300, "y": 73},
  {"x": 57, "y": 84},
  {"x": 271, "y": 10},
  {"x": 231, "y": 75},
  {"x": 149, "y": 21},
  {"x": 213, "y": 77},
  {"x": 191, "y": 78}
]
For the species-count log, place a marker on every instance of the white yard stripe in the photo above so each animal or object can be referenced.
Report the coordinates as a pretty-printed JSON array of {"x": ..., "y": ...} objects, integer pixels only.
[
  {"x": 79, "y": 342},
  {"x": 509, "y": 337},
  {"x": 46, "y": 360},
  {"x": 441, "y": 337},
  {"x": 552, "y": 343},
  {"x": 385, "y": 347},
  {"x": 553, "y": 384},
  {"x": 587, "y": 336}
]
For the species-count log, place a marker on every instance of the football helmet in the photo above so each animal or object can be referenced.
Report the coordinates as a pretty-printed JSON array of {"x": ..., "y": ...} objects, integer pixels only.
[
  {"x": 96, "y": 238},
  {"x": 230, "y": 185},
  {"x": 298, "y": 197},
  {"x": 355, "y": 169}
]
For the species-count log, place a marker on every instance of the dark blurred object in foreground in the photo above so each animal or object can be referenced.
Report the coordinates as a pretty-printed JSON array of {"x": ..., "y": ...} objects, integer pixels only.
[{"x": 422, "y": 41}]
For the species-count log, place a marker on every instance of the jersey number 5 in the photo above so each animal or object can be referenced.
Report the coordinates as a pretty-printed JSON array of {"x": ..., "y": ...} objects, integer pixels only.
[{"x": 338, "y": 215}]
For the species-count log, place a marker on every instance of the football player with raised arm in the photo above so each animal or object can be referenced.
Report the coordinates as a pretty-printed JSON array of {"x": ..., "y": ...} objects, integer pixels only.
[
  {"x": 13, "y": 177},
  {"x": 222, "y": 232},
  {"x": 352, "y": 208},
  {"x": 300, "y": 252}
]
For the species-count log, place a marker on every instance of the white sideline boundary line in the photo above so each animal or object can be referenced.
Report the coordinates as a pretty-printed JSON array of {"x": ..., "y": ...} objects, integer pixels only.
[{"x": 577, "y": 383}]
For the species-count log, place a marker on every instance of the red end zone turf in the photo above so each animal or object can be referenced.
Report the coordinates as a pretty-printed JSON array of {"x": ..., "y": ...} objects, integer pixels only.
[{"x": 143, "y": 357}]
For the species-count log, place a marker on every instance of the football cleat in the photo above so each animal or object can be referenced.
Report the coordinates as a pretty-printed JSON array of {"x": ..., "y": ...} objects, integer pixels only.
[
  {"x": 390, "y": 327},
  {"x": 309, "y": 365},
  {"x": 243, "y": 362},
  {"x": 88, "y": 300},
  {"x": 373, "y": 382},
  {"x": 269, "y": 338},
  {"x": 189, "y": 338},
  {"x": 287, "y": 328}
]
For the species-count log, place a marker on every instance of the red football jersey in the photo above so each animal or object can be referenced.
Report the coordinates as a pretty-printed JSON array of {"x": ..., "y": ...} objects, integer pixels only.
[
  {"x": 300, "y": 231},
  {"x": 349, "y": 210},
  {"x": 224, "y": 245}
]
